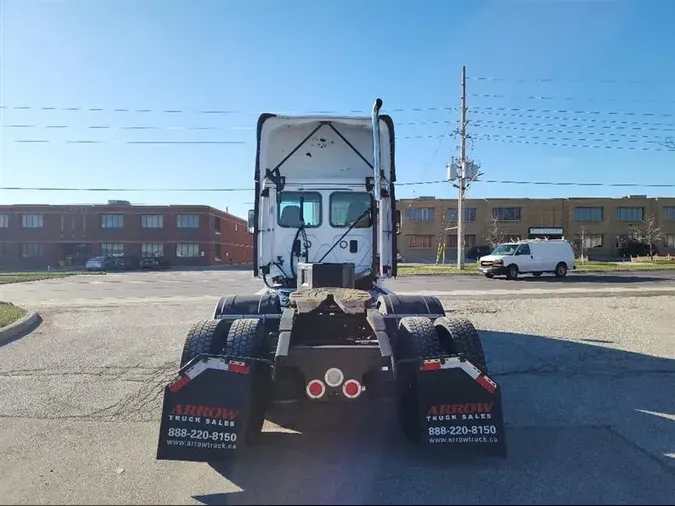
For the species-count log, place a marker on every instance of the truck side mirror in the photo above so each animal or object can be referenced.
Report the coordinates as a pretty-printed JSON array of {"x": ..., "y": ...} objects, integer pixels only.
[{"x": 251, "y": 221}]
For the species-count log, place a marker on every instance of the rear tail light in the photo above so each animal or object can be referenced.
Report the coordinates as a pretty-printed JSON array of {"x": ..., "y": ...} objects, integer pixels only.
[
  {"x": 315, "y": 389},
  {"x": 352, "y": 389}
]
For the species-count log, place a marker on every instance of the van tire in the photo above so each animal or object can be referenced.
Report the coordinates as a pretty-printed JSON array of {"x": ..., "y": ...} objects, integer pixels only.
[
  {"x": 561, "y": 270},
  {"x": 512, "y": 271}
]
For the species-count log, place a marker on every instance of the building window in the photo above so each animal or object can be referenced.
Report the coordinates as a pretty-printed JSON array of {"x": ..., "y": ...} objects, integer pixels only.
[
  {"x": 32, "y": 220},
  {"x": 588, "y": 213},
  {"x": 288, "y": 209},
  {"x": 469, "y": 241},
  {"x": 187, "y": 250},
  {"x": 32, "y": 250},
  {"x": 152, "y": 249},
  {"x": 669, "y": 240},
  {"x": 187, "y": 221},
  {"x": 216, "y": 224},
  {"x": 630, "y": 213},
  {"x": 420, "y": 214},
  {"x": 589, "y": 241},
  {"x": 219, "y": 250},
  {"x": 469, "y": 214},
  {"x": 112, "y": 221},
  {"x": 506, "y": 213},
  {"x": 669, "y": 213},
  {"x": 419, "y": 241},
  {"x": 112, "y": 249},
  {"x": 4, "y": 221},
  {"x": 152, "y": 221}
]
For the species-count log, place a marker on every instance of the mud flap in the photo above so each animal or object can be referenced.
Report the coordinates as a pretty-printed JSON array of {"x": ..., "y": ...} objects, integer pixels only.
[
  {"x": 459, "y": 407},
  {"x": 211, "y": 407}
]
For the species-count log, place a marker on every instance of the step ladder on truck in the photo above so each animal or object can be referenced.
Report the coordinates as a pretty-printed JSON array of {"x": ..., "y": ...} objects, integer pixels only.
[{"x": 324, "y": 330}]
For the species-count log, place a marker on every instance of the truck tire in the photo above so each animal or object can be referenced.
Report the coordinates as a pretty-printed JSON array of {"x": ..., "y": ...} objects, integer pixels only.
[
  {"x": 458, "y": 335},
  {"x": 246, "y": 339},
  {"x": 206, "y": 336},
  {"x": 417, "y": 338}
]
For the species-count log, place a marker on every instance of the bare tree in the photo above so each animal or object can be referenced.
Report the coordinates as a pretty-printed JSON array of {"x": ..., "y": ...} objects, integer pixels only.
[
  {"x": 495, "y": 235},
  {"x": 648, "y": 232},
  {"x": 583, "y": 250}
]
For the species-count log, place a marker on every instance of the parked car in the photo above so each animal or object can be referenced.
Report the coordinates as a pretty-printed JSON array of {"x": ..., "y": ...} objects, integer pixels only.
[
  {"x": 126, "y": 263},
  {"x": 103, "y": 263},
  {"x": 534, "y": 256},
  {"x": 154, "y": 263}
]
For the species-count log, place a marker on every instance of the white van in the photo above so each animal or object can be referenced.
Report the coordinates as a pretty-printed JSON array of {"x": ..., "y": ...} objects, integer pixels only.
[{"x": 534, "y": 256}]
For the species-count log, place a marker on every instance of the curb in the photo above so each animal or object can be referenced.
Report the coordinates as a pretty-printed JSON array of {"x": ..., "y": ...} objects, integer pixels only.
[{"x": 19, "y": 327}]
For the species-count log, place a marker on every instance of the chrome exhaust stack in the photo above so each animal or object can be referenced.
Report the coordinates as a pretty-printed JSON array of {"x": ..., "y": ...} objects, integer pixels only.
[{"x": 383, "y": 244}]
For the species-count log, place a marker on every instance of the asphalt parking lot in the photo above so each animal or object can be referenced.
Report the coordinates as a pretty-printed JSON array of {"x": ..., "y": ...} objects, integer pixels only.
[{"x": 587, "y": 370}]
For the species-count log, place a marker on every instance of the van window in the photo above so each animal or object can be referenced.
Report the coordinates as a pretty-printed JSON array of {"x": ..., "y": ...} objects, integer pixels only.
[
  {"x": 524, "y": 250},
  {"x": 505, "y": 249},
  {"x": 288, "y": 209}
]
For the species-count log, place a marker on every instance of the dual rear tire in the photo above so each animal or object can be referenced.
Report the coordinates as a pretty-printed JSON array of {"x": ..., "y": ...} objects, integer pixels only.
[
  {"x": 422, "y": 338},
  {"x": 242, "y": 338}
]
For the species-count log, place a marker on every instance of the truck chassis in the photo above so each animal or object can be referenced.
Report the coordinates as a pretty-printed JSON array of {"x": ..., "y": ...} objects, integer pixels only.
[{"x": 329, "y": 344}]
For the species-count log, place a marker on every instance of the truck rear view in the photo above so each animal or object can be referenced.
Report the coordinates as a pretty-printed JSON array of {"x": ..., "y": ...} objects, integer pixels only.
[{"x": 324, "y": 330}]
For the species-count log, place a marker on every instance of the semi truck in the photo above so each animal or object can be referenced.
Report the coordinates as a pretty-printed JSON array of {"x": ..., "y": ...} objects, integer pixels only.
[{"x": 324, "y": 329}]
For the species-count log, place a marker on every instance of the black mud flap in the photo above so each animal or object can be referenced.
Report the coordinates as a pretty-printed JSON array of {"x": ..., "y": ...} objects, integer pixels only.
[
  {"x": 460, "y": 407},
  {"x": 209, "y": 408}
]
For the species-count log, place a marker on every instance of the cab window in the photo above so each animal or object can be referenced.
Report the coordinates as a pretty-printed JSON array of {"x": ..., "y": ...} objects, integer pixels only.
[
  {"x": 289, "y": 205},
  {"x": 346, "y": 207}
]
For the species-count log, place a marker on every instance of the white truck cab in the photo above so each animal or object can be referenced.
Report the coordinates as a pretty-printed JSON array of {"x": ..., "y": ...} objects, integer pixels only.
[{"x": 533, "y": 256}]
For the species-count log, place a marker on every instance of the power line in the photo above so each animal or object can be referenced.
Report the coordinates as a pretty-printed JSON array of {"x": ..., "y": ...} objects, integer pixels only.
[
  {"x": 572, "y": 132},
  {"x": 85, "y": 141},
  {"x": 523, "y": 140},
  {"x": 566, "y": 125},
  {"x": 568, "y": 111},
  {"x": 562, "y": 80},
  {"x": 409, "y": 183},
  {"x": 132, "y": 127},
  {"x": 207, "y": 111},
  {"x": 575, "y": 99},
  {"x": 564, "y": 118}
]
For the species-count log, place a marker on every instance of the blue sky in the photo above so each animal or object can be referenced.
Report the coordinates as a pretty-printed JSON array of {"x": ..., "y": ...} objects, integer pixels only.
[{"x": 258, "y": 56}]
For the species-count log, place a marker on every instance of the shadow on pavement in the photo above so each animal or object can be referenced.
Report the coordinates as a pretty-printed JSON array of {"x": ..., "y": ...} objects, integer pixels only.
[
  {"x": 574, "y": 278},
  {"x": 585, "y": 424}
]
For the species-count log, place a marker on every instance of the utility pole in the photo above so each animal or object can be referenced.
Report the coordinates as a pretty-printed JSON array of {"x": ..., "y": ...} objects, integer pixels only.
[{"x": 461, "y": 176}]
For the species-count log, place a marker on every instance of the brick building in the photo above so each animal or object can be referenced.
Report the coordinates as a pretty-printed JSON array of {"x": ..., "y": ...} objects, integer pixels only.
[
  {"x": 37, "y": 236},
  {"x": 602, "y": 222}
]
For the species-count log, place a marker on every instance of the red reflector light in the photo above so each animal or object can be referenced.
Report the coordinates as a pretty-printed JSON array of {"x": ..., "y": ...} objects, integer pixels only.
[
  {"x": 430, "y": 365},
  {"x": 315, "y": 389},
  {"x": 351, "y": 389},
  {"x": 180, "y": 383},
  {"x": 237, "y": 367},
  {"x": 487, "y": 384}
]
